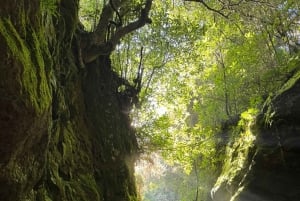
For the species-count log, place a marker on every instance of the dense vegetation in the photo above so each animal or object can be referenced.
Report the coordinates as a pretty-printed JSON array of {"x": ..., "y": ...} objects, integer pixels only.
[{"x": 202, "y": 66}]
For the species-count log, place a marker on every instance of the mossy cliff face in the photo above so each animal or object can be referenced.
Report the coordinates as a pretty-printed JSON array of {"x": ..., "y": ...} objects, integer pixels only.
[
  {"x": 268, "y": 167},
  {"x": 64, "y": 134}
]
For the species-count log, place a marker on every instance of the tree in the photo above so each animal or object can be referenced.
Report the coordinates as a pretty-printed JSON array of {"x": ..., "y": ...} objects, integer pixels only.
[
  {"x": 108, "y": 33},
  {"x": 65, "y": 131}
]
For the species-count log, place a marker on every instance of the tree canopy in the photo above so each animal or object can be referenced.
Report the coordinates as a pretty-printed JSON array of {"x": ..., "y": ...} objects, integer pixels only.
[{"x": 200, "y": 63}]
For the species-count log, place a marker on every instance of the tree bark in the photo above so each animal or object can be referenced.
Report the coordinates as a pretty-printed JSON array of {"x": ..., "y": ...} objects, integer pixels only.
[{"x": 65, "y": 133}]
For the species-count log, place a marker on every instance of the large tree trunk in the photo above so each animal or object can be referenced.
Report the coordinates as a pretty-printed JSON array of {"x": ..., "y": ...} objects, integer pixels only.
[{"x": 64, "y": 132}]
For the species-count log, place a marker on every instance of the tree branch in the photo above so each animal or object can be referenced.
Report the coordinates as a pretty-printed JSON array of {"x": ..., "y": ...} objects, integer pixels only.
[
  {"x": 98, "y": 45},
  {"x": 140, "y": 71},
  {"x": 143, "y": 20},
  {"x": 197, "y": 179},
  {"x": 219, "y": 11},
  {"x": 106, "y": 15}
]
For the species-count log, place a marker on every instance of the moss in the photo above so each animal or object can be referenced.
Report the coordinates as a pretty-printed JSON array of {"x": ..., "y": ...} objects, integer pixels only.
[
  {"x": 68, "y": 142},
  {"x": 129, "y": 194},
  {"x": 236, "y": 162},
  {"x": 273, "y": 103},
  {"x": 290, "y": 83},
  {"x": 49, "y": 6},
  {"x": 34, "y": 80},
  {"x": 89, "y": 185},
  {"x": 42, "y": 195}
]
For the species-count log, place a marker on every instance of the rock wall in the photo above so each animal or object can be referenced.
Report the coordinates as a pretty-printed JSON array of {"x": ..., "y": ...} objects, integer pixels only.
[
  {"x": 64, "y": 132},
  {"x": 270, "y": 165}
]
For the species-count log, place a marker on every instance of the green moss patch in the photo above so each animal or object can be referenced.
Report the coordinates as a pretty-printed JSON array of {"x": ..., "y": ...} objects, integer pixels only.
[
  {"x": 34, "y": 78},
  {"x": 236, "y": 162}
]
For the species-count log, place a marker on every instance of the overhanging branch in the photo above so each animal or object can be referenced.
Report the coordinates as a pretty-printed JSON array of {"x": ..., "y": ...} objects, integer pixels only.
[
  {"x": 106, "y": 15},
  {"x": 101, "y": 47},
  {"x": 143, "y": 20},
  {"x": 218, "y": 11}
]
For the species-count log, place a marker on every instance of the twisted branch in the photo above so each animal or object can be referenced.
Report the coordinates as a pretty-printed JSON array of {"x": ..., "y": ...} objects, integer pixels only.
[{"x": 99, "y": 46}]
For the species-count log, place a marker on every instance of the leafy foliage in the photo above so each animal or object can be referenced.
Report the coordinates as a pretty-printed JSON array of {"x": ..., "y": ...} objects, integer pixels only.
[
  {"x": 89, "y": 13},
  {"x": 203, "y": 65}
]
